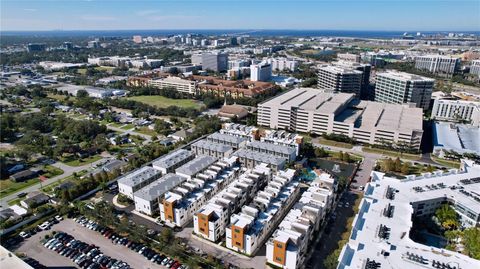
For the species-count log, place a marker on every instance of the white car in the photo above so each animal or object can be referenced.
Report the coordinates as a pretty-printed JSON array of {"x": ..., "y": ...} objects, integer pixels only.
[
  {"x": 58, "y": 218},
  {"x": 24, "y": 235},
  {"x": 44, "y": 226}
]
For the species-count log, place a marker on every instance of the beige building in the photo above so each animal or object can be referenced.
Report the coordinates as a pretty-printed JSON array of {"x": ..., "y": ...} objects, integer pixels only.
[
  {"x": 340, "y": 79},
  {"x": 179, "y": 84}
]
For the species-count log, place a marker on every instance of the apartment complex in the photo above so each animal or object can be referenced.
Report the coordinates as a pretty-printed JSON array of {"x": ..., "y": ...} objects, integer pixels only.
[
  {"x": 309, "y": 110},
  {"x": 289, "y": 243},
  {"x": 340, "y": 79},
  {"x": 235, "y": 142},
  {"x": 233, "y": 89},
  {"x": 249, "y": 228},
  {"x": 283, "y": 138},
  {"x": 285, "y": 152},
  {"x": 217, "y": 150},
  {"x": 395, "y": 87},
  {"x": 475, "y": 68},
  {"x": 212, "y": 219},
  {"x": 437, "y": 64},
  {"x": 282, "y": 64},
  {"x": 260, "y": 72},
  {"x": 456, "y": 111},
  {"x": 132, "y": 182},
  {"x": 176, "y": 83},
  {"x": 195, "y": 166},
  {"x": 179, "y": 204},
  {"x": 251, "y": 159},
  {"x": 146, "y": 199},
  {"x": 385, "y": 218},
  {"x": 350, "y": 57},
  {"x": 171, "y": 161}
]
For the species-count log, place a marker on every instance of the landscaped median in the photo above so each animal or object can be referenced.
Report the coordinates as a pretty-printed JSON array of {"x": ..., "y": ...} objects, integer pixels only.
[
  {"x": 448, "y": 163},
  {"x": 391, "y": 153}
]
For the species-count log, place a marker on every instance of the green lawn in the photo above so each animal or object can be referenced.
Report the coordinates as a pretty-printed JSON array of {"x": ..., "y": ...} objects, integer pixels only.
[
  {"x": 14, "y": 201},
  {"x": 8, "y": 187},
  {"x": 77, "y": 162},
  {"x": 413, "y": 157},
  {"x": 160, "y": 101},
  {"x": 146, "y": 131},
  {"x": 50, "y": 187},
  {"x": 332, "y": 143},
  {"x": 127, "y": 126},
  {"x": 447, "y": 163}
]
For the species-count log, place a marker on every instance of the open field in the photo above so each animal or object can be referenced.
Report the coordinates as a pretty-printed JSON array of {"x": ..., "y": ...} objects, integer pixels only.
[
  {"x": 84, "y": 161},
  {"x": 160, "y": 101}
]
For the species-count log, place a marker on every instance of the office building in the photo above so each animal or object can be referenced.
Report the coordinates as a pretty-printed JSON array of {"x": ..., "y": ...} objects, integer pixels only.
[
  {"x": 212, "y": 219},
  {"x": 147, "y": 198},
  {"x": 395, "y": 87},
  {"x": 195, "y": 166},
  {"x": 289, "y": 243},
  {"x": 339, "y": 79},
  {"x": 171, "y": 161},
  {"x": 249, "y": 228},
  {"x": 134, "y": 181},
  {"x": 349, "y": 57},
  {"x": 93, "y": 44},
  {"x": 456, "y": 111},
  {"x": 366, "y": 71},
  {"x": 454, "y": 137},
  {"x": 475, "y": 68},
  {"x": 176, "y": 83},
  {"x": 260, "y": 72},
  {"x": 216, "y": 150},
  {"x": 437, "y": 64},
  {"x": 137, "y": 39},
  {"x": 36, "y": 47},
  {"x": 179, "y": 204},
  {"x": 310, "y": 110},
  {"x": 215, "y": 61},
  {"x": 381, "y": 229}
]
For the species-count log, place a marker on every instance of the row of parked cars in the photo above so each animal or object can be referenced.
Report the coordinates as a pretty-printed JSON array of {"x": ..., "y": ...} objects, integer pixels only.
[
  {"x": 42, "y": 227},
  {"x": 141, "y": 249},
  {"x": 86, "y": 256}
]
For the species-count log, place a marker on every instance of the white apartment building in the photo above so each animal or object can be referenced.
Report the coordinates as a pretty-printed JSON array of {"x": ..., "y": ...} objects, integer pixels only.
[
  {"x": 217, "y": 150},
  {"x": 235, "y": 142},
  {"x": 195, "y": 166},
  {"x": 239, "y": 130},
  {"x": 146, "y": 199},
  {"x": 179, "y": 204},
  {"x": 249, "y": 228},
  {"x": 132, "y": 182},
  {"x": 385, "y": 218},
  {"x": 283, "y": 138},
  {"x": 475, "y": 68},
  {"x": 282, "y": 64},
  {"x": 395, "y": 87},
  {"x": 340, "y": 79},
  {"x": 212, "y": 219},
  {"x": 456, "y": 111},
  {"x": 177, "y": 83},
  {"x": 349, "y": 57},
  {"x": 310, "y": 110},
  {"x": 289, "y": 244},
  {"x": 260, "y": 72},
  {"x": 285, "y": 152},
  {"x": 171, "y": 161},
  {"x": 437, "y": 64}
]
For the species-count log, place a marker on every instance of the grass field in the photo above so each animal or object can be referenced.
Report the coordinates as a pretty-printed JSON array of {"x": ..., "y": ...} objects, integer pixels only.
[
  {"x": 447, "y": 163},
  {"x": 413, "y": 157},
  {"x": 127, "y": 126},
  {"x": 146, "y": 131},
  {"x": 332, "y": 143},
  {"x": 84, "y": 161},
  {"x": 8, "y": 187},
  {"x": 160, "y": 101}
]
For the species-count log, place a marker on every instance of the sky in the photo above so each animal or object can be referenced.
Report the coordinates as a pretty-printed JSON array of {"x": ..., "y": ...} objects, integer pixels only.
[{"x": 383, "y": 15}]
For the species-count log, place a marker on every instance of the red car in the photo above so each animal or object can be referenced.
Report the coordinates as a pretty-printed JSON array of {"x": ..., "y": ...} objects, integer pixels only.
[{"x": 175, "y": 265}]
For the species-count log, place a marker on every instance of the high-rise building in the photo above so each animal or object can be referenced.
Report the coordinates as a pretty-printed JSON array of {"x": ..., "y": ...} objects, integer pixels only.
[
  {"x": 233, "y": 41},
  {"x": 32, "y": 47},
  {"x": 137, "y": 39},
  {"x": 456, "y": 111},
  {"x": 365, "y": 69},
  {"x": 260, "y": 72},
  {"x": 395, "y": 87},
  {"x": 437, "y": 64},
  {"x": 204, "y": 42},
  {"x": 475, "y": 68},
  {"x": 350, "y": 57},
  {"x": 340, "y": 79},
  {"x": 282, "y": 64},
  {"x": 93, "y": 44},
  {"x": 67, "y": 45},
  {"x": 217, "y": 62}
]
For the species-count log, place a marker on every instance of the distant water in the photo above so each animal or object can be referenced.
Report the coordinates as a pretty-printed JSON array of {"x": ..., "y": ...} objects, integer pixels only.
[{"x": 288, "y": 33}]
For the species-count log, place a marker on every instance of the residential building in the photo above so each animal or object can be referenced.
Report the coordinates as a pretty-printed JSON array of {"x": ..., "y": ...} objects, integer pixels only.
[
  {"x": 340, "y": 79},
  {"x": 475, "y": 68},
  {"x": 176, "y": 83},
  {"x": 349, "y": 57},
  {"x": 456, "y": 111},
  {"x": 171, "y": 161},
  {"x": 310, "y": 110},
  {"x": 235, "y": 142},
  {"x": 212, "y": 219},
  {"x": 260, "y": 72},
  {"x": 285, "y": 152},
  {"x": 239, "y": 130},
  {"x": 195, "y": 166},
  {"x": 205, "y": 147},
  {"x": 283, "y": 64},
  {"x": 232, "y": 89},
  {"x": 233, "y": 112},
  {"x": 34, "y": 199},
  {"x": 147, "y": 198},
  {"x": 382, "y": 227},
  {"x": 453, "y": 137},
  {"x": 438, "y": 64},
  {"x": 395, "y": 87},
  {"x": 283, "y": 138},
  {"x": 289, "y": 243},
  {"x": 134, "y": 181},
  {"x": 179, "y": 204},
  {"x": 249, "y": 229},
  {"x": 250, "y": 159}
]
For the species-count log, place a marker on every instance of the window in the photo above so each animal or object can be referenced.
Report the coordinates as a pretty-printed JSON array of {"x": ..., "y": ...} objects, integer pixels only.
[
  {"x": 238, "y": 243},
  {"x": 279, "y": 245},
  {"x": 279, "y": 259}
]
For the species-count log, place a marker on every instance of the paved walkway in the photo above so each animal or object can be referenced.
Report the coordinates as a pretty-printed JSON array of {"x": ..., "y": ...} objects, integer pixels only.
[{"x": 67, "y": 171}]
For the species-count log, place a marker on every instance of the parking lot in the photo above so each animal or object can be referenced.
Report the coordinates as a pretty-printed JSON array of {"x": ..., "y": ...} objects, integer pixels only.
[{"x": 33, "y": 247}]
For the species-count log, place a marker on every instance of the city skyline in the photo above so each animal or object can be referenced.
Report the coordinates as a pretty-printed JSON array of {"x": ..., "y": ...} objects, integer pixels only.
[{"x": 385, "y": 15}]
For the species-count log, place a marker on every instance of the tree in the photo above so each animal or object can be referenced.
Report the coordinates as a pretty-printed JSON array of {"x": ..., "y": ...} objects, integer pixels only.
[
  {"x": 405, "y": 168},
  {"x": 82, "y": 94},
  {"x": 397, "y": 165},
  {"x": 321, "y": 152},
  {"x": 471, "y": 242},
  {"x": 346, "y": 157},
  {"x": 447, "y": 217}
]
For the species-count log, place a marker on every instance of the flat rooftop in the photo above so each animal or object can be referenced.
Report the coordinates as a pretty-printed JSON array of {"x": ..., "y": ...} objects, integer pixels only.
[
  {"x": 212, "y": 146},
  {"x": 159, "y": 187},
  {"x": 458, "y": 137},
  {"x": 172, "y": 158},
  {"x": 260, "y": 157},
  {"x": 402, "y": 76},
  {"x": 271, "y": 147},
  {"x": 226, "y": 138},
  {"x": 339, "y": 70},
  {"x": 196, "y": 165},
  {"x": 138, "y": 176}
]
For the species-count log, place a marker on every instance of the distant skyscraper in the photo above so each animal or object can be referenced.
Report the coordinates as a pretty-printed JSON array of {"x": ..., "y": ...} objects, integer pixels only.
[
  {"x": 93, "y": 44},
  {"x": 395, "y": 87},
  {"x": 260, "y": 72},
  {"x": 137, "y": 39},
  {"x": 233, "y": 41},
  {"x": 33, "y": 47},
  {"x": 217, "y": 62},
  {"x": 67, "y": 45}
]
